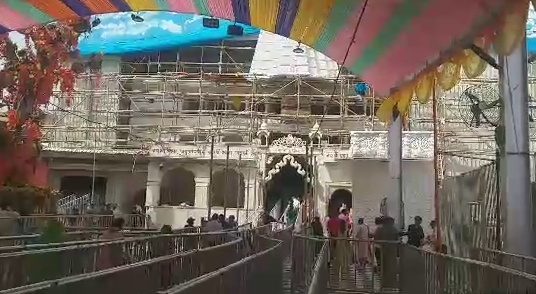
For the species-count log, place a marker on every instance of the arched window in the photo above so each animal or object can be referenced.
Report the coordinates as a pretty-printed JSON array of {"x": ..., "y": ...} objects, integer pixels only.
[
  {"x": 178, "y": 186},
  {"x": 229, "y": 186},
  {"x": 339, "y": 198}
]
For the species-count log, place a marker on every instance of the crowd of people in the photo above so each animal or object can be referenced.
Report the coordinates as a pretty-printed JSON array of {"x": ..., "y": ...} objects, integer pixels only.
[{"x": 367, "y": 241}]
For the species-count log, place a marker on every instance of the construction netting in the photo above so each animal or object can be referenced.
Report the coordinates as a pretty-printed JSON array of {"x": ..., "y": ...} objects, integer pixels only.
[{"x": 469, "y": 210}]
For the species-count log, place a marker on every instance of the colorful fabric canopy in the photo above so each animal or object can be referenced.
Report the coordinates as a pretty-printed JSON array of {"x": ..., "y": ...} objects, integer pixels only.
[{"x": 396, "y": 42}]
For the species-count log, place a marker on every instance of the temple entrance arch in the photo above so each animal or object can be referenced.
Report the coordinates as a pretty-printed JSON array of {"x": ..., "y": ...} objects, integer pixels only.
[
  {"x": 339, "y": 198},
  {"x": 286, "y": 179},
  {"x": 178, "y": 187}
]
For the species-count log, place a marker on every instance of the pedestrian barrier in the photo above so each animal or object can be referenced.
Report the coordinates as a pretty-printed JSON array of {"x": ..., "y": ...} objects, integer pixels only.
[
  {"x": 513, "y": 261},
  {"x": 163, "y": 271},
  {"x": 28, "y": 267},
  {"x": 260, "y": 272},
  {"x": 34, "y": 223}
]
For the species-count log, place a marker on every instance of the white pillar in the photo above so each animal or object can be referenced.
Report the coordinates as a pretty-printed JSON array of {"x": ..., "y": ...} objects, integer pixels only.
[
  {"x": 395, "y": 205},
  {"x": 152, "y": 196},
  {"x": 519, "y": 228},
  {"x": 201, "y": 192}
]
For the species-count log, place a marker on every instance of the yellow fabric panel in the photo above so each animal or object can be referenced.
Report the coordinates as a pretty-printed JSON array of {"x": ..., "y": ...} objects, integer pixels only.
[
  {"x": 448, "y": 75},
  {"x": 424, "y": 86},
  {"x": 140, "y": 5},
  {"x": 385, "y": 111},
  {"x": 512, "y": 31},
  {"x": 263, "y": 14},
  {"x": 311, "y": 19},
  {"x": 404, "y": 97},
  {"x": 237, "y": 102},
  {"x": 473, "y": 65}
]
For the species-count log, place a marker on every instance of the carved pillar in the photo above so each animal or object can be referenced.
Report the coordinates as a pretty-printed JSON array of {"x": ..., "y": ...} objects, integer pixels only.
[
  {"x": 201, "y": 191},
  {"x": 154, "y": 179}
]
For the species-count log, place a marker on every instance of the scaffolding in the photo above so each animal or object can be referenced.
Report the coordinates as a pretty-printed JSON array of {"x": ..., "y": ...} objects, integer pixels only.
[
  {"x": 191, "y": 94},
  {"x": 126, "y": 110}
]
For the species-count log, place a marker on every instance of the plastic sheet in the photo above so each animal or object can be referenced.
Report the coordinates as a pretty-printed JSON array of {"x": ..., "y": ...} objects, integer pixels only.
[{"x": 117, "y": 34}]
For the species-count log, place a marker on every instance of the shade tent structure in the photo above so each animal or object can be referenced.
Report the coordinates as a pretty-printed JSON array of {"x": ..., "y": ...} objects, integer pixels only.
[{"x": 394, "y": 45}]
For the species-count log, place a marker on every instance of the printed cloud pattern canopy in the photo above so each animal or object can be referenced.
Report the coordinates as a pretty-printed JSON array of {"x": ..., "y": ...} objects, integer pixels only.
[{"x": 395, "y": 41}]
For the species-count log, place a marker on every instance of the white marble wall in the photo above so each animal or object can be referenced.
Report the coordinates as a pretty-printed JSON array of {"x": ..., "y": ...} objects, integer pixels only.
[{"x": 368, "y": 180}]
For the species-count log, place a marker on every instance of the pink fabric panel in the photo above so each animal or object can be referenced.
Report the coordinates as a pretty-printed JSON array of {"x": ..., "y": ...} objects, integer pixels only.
[
  {"x": 376, "y": 14},
  {"x": 221, "y": 9},
  {"x": 422, "y": 41},
  {"x": 13, "y": 20},
  {"x": 182, "y": 6}
]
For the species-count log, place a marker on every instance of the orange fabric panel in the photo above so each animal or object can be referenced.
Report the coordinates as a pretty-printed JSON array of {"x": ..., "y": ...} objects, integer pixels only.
[
  {"x": 54, "y": 8},
  {"x": 100, "y": 6}
]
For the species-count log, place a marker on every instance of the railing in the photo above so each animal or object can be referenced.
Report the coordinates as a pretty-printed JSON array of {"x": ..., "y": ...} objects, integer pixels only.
[
  {"x": 258, "y": 273},
  {"x": 162, "y": 272},
  {"x": 28, "y": 267},
  {"x": 513, "y": 261},
  {"x": 21, "y": 240},
  {"x": 147, "y": 276},
  {"x": 91, "y": 237},
  {"x": 320, "y": 278},
  {"x": 305, "y": 254},
  {"x": 33, "y": 223},
  {"x": 436, "y": 273}
]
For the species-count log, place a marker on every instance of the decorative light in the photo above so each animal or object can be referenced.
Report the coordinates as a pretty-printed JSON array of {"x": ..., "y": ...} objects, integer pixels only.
[
  {"x": 136, "y": 18},
  {"x": 298, "y": 49},
  {"x": 95, "y": 22},
  {"x": 211, "y": 23},
  {"x": 235, "y": 30}
]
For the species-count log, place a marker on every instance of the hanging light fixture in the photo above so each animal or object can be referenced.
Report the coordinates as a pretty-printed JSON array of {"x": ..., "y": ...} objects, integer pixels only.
[
  {"x": 235, "y": 30},
  {"x": 211, "y": 23},
  {"x": 298, "y": 49},
  {"x": 95, "y": 22},
  {"x": 136, "y": 18}
]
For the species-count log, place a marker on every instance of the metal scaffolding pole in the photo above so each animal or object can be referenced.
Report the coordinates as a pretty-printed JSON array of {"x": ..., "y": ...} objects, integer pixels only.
[
  {"x": 519, "y": 228},
  {"x": 395, "y": 201},
  {"x": 211, "y": 169},
  {"x": 226, "y": 185}
]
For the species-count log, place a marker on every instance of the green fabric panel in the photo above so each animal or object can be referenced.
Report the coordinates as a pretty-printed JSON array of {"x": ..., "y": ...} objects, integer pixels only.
[
  {"x": 28, "y": 10},
  {"x": 202, "y": 7},
  {"x": 341, "y": 13},
  {"x": 402, "y": 17}
]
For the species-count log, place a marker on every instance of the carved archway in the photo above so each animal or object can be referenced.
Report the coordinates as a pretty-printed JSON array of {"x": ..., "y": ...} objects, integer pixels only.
[
  {"x": 339, "y": 198},
  {"x": 287, "y": 160},
  {"x": 178, "y": 187},
  {"x": 228, "y": 189}
]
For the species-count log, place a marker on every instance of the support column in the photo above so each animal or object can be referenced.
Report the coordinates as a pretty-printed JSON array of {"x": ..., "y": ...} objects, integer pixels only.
[
  {"x": 201, "y": 192},
  {"x": 395, "y": 204},
  {"x": 518, "y": 229},
  {"x": 152, "y": 195}
]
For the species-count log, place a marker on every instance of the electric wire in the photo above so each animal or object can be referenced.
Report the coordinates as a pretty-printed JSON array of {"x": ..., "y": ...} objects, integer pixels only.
[{"x": 341, "y": 67}]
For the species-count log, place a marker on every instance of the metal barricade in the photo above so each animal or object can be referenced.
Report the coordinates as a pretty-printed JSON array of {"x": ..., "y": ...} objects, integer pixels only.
[
  {"x": 435, "y": 273},
  {"x": 91, "y": 237},
  {"x": 304, "y": 254},
  {"x": 145, "y": 277},
  {"x": 27, "y": 267},
  {"x": 21, "y": 240},
  {"x": 320, "y": 278},
  {"x": 259, "y": 273},
  {"x": 513, "y": 261},
  {"x": 34, "y": 223}
]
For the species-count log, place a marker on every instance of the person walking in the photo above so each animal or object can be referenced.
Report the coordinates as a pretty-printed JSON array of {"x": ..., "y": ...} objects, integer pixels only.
[
  {"x": 416, "y": 233},
  {"x": 362, "y": 234}
]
